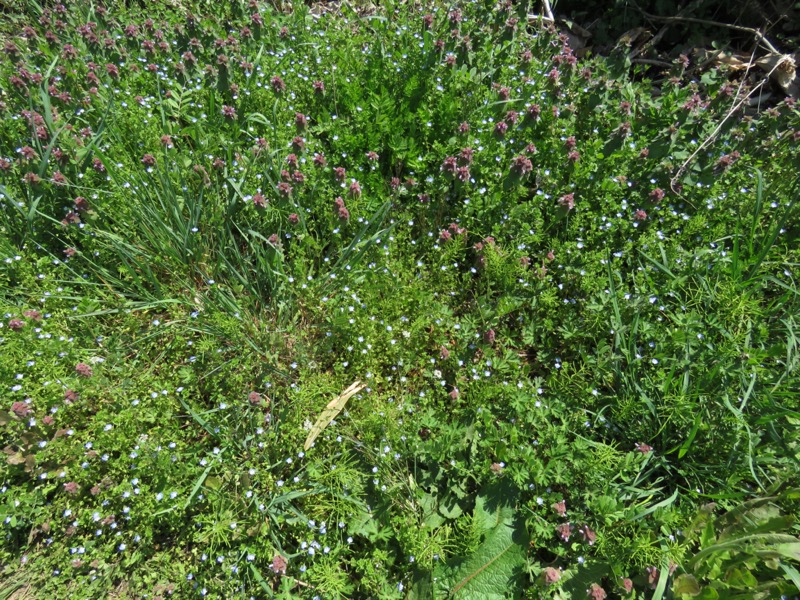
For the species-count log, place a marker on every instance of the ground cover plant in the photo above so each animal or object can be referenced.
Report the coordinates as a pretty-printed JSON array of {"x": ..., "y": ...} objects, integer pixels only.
[{"x": 403, "y": 304}]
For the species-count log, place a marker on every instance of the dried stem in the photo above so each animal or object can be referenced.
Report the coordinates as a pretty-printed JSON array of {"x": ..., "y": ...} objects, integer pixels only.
[
  {"x": 679, "y": 19},
  {"x": 547, "y": 10},
  {"x": 737, "y": 104}
]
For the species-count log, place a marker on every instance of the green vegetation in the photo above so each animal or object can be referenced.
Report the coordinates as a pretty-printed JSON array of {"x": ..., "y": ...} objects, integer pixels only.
[{"x": 550, "y": 306}]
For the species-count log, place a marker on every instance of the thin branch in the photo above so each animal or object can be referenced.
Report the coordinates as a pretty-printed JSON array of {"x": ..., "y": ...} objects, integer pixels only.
[
  {"x": 547, "y": 10},
  {"x": 704, "y": 64},
  {"x": 661, "y": 32},
  {"x": 736, "y": 106},
  {"x": 678, "y": 19},
  {"x": 652, "y": 61}
]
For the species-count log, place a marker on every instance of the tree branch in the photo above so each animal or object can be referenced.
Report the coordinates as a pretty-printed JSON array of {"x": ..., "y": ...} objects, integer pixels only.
[{"x": 679, "y": 19}]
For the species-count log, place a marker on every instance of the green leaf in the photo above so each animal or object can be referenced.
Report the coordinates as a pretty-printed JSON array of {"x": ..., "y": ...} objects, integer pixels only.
[
  {"x": 655, "y": 507},
  {"x": 422, "y": 587},
  {"x": 740, "y": 578},
  {"x": 661, "y": 585},
  {"x": 790, "y": 551},
  {"x": 685, "y": 585},
  {"x": 494, "y": 571},
  {"x": 793, "y": 574},
  {"x": 708, "y": 593}
]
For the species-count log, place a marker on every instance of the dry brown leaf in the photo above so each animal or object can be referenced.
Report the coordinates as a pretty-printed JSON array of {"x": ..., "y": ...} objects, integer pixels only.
[
  {"x": 334, "y": 407},
  {"x": 783, "y": 71},
  {"x": 633, "y": 36},
  {"x": 733, "y": 62}
]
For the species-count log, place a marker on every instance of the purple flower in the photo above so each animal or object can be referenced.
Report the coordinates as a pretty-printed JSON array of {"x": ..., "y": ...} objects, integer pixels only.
[
  {"x": 33, "y": 314},
  {"x": 279, "y": 564},
  {"x": 277, "y": 84},
  {"x": 551, "y": 575},
  {"x": 341, "y": 210},
  {"x": 83, "y": 370},
  {"x": 595, "y": 592},
  {"x": 564, "y": 531},
  {"x": 21, "y": 409},
  {"x": 521, "y": 165},
  {"x": 81, "y": 204},
  {"x": 588, "y": 535},
  {"x": 449, "y": 165},
  {"x": 298, "y": 143}
]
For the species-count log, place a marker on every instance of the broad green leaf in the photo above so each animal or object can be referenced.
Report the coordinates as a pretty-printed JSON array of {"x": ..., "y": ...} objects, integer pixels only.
[
  {"x": 740, "y": 578},
  {"x": 685, "y": 585},
  {"x": 707, "y": 593},
  {"x": 495, "y": 570}
]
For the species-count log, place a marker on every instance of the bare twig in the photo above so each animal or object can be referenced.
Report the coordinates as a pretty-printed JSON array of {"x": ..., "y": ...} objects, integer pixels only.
[
  {"x": 704, "y": 64},
  {"x": 661, "y": 32},
  {"x": 649, "y": 43},
  {"x": 547, "y": 10},
  {"x": 678, "y": 19},
  {"x": 736, "y": 106},
  {"x": 651, "y": 61}
]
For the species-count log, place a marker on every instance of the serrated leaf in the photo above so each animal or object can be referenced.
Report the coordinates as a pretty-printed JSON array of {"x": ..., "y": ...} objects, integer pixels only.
[{"x": 494, "y": 570}]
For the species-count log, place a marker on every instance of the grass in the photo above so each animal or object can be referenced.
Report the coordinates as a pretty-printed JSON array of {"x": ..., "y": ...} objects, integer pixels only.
[{"x": 576, "y": 378}]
